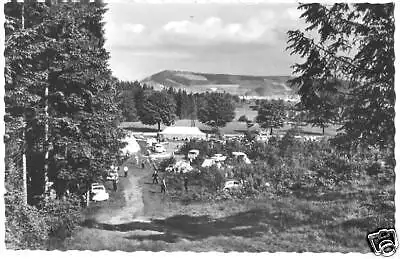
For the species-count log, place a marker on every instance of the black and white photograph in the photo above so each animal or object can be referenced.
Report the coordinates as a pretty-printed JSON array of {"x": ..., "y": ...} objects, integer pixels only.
[{"x": 199, "y": 126}]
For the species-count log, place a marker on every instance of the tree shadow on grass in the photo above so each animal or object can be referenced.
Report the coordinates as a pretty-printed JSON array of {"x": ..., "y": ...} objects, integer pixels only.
[
  {"x": 141, "y": 129},
  {"x": 253, "y": 223}
]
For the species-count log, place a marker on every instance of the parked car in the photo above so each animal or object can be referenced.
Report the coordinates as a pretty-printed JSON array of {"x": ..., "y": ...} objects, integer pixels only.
[
  {"x": 151, "y": 141},
  {"x": 232, "y": 185},
  {"x": 112, "y": 176},
  {"x": 241, "y": 157},
  {"x": 263, "y": 137},
  {"x": 159, "y": 148},
  {"x": 98, "y": 192},
  {"x": 93, "y": 187},
  {"x": 193, "y": 154}
]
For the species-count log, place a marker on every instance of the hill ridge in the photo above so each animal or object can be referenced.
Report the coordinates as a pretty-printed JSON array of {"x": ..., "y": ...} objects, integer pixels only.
[{"x": 242, "y": 85}]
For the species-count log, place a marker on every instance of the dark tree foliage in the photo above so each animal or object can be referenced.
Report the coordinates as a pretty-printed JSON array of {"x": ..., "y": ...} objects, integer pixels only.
[
  {"x": 158, "y": 108},
  {"x": 323, "y": 112},
  {"x": 127, "y": 105},
  {"x": 61, "y": 49},
  {"x": 271, "y": 114},
  {"x": 243, "y": 118},
  {"x": 355, "y": 44},
  {"x": 216, "y": 110}
]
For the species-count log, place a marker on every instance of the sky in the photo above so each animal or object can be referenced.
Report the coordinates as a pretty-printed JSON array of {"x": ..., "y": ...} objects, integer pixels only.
[{"x": 231, "y": 38}]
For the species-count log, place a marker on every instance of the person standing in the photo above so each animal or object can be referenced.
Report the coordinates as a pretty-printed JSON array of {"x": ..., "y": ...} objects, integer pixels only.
[
  {"x": 126, "y": 171},
  {"x": 137, "y": 160},
  {"x": 185, "y": 183},
  {"x": 143, "y": 162},
  {"x": 155, "y": 177},
  {"x": 163, "y": 186},
  {"x": 115, "y": 185}
]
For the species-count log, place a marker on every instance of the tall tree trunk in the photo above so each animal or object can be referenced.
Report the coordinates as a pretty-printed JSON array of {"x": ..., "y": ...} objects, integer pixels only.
[
  {"x": 24, "y": 168},
  {"x": 159, "y": 130},
  {"x": 46, "y": 140},
  {"x": 270, "y": 132},
  {"x": 323, "y": 130},
  {"x": 24, "y": 171}
]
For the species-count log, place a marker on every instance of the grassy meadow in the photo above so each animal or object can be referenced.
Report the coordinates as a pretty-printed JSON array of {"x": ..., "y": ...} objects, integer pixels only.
[{"x": 234, "y": 127}]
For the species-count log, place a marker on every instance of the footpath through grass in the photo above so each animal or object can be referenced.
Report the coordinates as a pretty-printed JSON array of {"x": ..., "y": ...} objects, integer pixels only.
[
  {"x": 317, "y": 219},
  {"x": 335, "y": 223}
]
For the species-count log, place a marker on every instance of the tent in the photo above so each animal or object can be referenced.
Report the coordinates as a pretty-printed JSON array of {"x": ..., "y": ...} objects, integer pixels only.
[
  {"x": 182, "y": 132},
  {"x": 180, "y": 166},
  {"x": 132, "y": 147},
  {"x": 207, "y": 163}
]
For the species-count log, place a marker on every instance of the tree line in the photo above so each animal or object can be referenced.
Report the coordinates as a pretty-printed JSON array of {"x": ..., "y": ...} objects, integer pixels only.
[{"x": 139, "y": 102}]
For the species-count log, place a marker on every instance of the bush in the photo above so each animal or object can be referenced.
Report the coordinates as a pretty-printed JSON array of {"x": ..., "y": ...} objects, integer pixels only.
[
  {"x": 165, "y": 163},
  {"x": 380, "y": 174},
  {"x": 292, "y": 165},
  {"x": 203, "y": 184},
  {"x": 25, "y": 225},
  {"x": 62, "y": 216}
]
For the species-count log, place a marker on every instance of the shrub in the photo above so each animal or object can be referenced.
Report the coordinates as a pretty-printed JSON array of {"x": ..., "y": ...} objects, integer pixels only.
[
  {"x": 382, "y": 175},
  {"x": 25, "y": 225},
  {"x": 62, "y": 216},
  {"x": 289, "y": 145},
  {"x": 243, "y": 118},
  {"x": 165, "y": 163}
]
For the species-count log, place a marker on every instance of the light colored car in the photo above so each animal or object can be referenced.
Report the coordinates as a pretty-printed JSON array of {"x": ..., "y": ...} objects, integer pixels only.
[
  {"x": 112, "y": 176},
  {"x": 242, "y": 157},
  {"x": 263, "y": 138},
  {"x": 232, "y": 185},
  {"x": 193, "y": 154},
  {"x": 150, "y": 142},
  {"x": 98, "y": 192},
  {"x": 159, "y": 148}
]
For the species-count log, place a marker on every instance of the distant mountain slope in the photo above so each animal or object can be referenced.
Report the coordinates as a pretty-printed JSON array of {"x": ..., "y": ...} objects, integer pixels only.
[{"x": 257, "y": 86}]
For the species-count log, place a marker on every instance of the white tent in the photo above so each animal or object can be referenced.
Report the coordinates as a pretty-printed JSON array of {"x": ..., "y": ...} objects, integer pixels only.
[
  {"x": 132, "y": 147},
  {"x": 208, "y": 163},
  {"x": 182, "y": 166},
  {"x": 182, "y": 132}
]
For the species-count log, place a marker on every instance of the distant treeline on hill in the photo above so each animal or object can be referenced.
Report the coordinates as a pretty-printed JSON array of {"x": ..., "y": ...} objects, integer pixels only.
[
  {"x": 133, "y": 94},
  {"x": 241, "y": 85}
]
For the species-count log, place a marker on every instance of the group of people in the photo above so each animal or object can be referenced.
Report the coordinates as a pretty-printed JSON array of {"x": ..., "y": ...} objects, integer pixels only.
[
  {"x": 155, "y": 175},
  {"x": 115, "y": 170},
  {"x": 155, "y": 180}
]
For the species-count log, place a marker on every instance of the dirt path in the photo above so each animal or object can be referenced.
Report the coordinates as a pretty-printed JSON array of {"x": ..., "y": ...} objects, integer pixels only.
[
  {"x": 133, "y": 201},
  {"x": 142, "y": 200}
]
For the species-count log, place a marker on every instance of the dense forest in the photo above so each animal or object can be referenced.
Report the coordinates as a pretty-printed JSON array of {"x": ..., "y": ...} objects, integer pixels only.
[
  {"x": 132, "y": 95},
  {"x": 61, "y": 115}
]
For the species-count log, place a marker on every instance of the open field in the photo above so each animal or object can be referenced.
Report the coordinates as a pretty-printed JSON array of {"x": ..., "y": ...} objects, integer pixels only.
[
  {"x": 264, "y": 224},
  {"x": 234, "y": 127}
]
